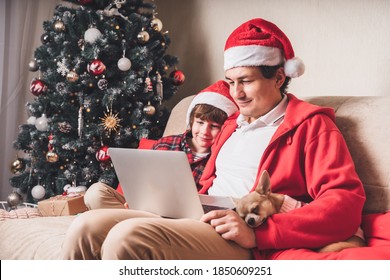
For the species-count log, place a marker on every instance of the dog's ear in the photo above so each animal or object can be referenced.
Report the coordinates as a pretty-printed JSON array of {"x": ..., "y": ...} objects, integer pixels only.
[{"x": 263, "y": 186}]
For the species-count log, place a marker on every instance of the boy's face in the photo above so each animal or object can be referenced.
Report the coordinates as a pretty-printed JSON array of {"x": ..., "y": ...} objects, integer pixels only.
[{"x": 203, "y": 134}]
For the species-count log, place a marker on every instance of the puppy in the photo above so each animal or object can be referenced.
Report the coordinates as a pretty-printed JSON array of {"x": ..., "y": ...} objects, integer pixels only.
[{"x": 255, "y": 207}]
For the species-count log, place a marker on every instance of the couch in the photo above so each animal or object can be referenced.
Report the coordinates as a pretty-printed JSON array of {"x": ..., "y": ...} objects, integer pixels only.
[{"x": 364, "y": 124}]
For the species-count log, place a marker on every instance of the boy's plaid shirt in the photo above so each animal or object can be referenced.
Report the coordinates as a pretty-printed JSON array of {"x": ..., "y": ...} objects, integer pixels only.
[{"x": 179, "y": 143}]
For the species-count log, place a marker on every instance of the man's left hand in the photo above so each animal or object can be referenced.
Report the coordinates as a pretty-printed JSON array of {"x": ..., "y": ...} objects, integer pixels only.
[{"x": 231, "y": 227}]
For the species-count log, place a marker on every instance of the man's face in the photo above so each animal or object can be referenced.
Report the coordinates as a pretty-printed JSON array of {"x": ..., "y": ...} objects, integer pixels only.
[{"x": 254, "y": 94}]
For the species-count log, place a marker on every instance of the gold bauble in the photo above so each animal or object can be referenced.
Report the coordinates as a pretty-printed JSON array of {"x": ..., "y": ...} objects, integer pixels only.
[
  {"x": 14, "y": 199},
  {"x": 156, "y": 24},
  {"x": 17, "y": 166},
  {"x": 51, "y": 156},
  {"x": 149, "y": 110},
  {"x": 143, "y": 37},
  {"x": 72, "y": 76},
  {"x": 59, "y": 26}
]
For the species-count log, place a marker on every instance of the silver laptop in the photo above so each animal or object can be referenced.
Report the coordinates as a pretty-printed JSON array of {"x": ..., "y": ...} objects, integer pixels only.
[{"x": 161, "y": 182}]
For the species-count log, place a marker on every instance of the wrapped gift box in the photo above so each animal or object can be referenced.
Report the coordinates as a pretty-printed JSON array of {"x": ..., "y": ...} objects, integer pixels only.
[{"x": 62, "y": 205}]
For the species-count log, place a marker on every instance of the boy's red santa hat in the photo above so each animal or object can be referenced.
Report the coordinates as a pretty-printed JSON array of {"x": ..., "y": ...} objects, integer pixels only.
[
  {"x": 261, "y": 43},
  {"x": 217, "y": 95}
]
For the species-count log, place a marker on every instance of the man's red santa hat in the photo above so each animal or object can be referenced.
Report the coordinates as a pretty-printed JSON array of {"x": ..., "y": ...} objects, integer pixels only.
[
  {"x": 217, "y": 95},
  {"x": 258, "y": 42}
]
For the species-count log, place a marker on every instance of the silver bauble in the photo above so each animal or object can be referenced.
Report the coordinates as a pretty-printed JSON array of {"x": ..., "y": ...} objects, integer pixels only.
[{"x": 14, "y": 199}]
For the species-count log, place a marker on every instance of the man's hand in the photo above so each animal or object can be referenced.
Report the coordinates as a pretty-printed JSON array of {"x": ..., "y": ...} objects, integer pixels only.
[{"x": 231, "y": 227}]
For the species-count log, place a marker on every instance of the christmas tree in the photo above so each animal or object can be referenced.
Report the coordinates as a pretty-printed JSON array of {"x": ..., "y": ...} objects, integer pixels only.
[{"x": 102, "y": 78}]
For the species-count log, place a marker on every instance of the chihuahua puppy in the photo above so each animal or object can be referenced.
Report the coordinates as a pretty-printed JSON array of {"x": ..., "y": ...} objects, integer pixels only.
[{"x": 257, "y": 206}]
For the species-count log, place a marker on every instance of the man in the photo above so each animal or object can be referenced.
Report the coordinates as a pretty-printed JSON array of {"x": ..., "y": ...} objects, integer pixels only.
[{"x": 297, "y": 143}]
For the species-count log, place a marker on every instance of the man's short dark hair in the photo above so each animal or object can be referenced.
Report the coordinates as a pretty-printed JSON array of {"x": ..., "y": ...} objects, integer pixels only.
[{"x": 270, "y": 71}]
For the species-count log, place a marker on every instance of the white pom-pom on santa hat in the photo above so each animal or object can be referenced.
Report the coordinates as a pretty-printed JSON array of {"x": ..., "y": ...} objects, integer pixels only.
[
  {"x": 294, "y": 67},
  {"x": 259, "y": 42},
  {"x": 217, "y": 95}
]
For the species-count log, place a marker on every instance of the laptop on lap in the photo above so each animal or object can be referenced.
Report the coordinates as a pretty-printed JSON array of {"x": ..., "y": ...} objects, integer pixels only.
[{"x": 161, "y": 182}]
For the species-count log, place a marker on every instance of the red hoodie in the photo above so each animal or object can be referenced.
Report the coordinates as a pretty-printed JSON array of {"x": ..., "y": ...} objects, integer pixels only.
[{"x": 307, "y": 159}]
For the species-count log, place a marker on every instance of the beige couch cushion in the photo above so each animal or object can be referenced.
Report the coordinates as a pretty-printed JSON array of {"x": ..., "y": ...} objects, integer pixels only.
[{"x": 366, "y": 128}]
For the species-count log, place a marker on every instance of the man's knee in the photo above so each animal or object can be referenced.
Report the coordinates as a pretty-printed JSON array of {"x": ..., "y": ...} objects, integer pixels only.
[
  {"x": 134, "y": 239},
  {"x": 96, "y": 195}
]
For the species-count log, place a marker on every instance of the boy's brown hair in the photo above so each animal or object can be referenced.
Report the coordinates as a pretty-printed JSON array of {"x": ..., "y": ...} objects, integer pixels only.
[{"x": 208, "y": 113}]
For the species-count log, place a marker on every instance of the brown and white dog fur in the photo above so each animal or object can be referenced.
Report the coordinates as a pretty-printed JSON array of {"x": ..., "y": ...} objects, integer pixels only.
[{"x": 258, "y": 205}]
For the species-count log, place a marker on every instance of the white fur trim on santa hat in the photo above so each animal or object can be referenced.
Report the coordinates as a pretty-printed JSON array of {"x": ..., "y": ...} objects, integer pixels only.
[
  {"x": 294, "y": 67},
  {"x": 252, "y": 55},
  {"x": 212, "y": 98}
]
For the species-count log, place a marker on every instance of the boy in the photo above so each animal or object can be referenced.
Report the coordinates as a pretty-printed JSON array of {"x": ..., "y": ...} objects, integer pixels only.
[{"x": 207, "y": 112}]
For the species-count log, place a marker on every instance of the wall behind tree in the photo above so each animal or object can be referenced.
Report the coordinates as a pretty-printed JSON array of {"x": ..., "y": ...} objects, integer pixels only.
[{"x": 344, "y": 44}]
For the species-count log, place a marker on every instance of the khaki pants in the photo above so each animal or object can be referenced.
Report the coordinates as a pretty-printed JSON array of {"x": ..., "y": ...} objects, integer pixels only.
[
  {"x": 100, "y": 195},
  {"x": 129, "y": 234}
]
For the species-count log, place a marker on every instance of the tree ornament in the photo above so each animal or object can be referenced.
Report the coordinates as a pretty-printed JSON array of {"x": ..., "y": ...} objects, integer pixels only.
[
  {"x": 102, "y": 154},
  {"x": 62, "y": 68},
  {"x": 92, "y": 34},
  {"x": 143, "y": 37},
  {"x": 148, "y": 85},
  {"x": 59, "y": 26},
  {"x": 156, "y": 24},
  {"x": 14, "y": 199},
  {"x": 42, "y": 123},
  {"x": 38, "y": 192},
  {"x": 17, "y": 166},
  {"x": 45, "y": 38},
  {"x": 159, "y": 88},
  {"x": 178, "y": 77},
  {"x": 72, "y": 76},
  {"x": 110, "y": 122},
  {"x": 38, "y": 87},
  {"x": 80, "y": 121},
  {"x": 102, "y": 84},
  {"x": 51, "y": 156},
  {"x": 149, "y": 109},
  {"x": 33, "y": 65},
  {"x": 110, "y": 11},
  {"x": 96, "y": 67},
  {"x": 124, "y": 64},
  {"x": 64, "y": 127}
]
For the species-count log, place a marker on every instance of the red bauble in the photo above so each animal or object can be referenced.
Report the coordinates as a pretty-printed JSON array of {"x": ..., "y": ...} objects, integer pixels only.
[
  {"x": 38, "y": 87},
  {"x": 178, "y": 77},
  {"x": 96, "y": 67},
  {"x": 102, "y": 154}
]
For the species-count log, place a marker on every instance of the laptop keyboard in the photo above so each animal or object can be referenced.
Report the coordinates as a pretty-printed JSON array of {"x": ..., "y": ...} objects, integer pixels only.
[{"x": 208, "y": 208}]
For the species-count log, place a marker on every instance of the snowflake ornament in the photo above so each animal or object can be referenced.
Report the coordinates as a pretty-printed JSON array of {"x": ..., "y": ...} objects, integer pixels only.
[{"x": 62, "y": 68}]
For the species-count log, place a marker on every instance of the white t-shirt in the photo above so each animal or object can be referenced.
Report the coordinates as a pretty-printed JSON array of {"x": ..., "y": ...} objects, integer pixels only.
[{"x": 239, "y": 158}]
